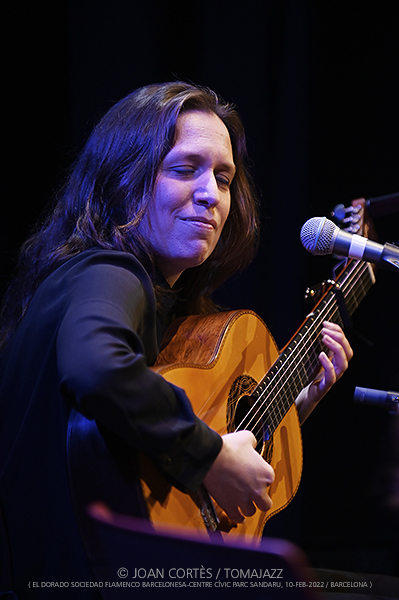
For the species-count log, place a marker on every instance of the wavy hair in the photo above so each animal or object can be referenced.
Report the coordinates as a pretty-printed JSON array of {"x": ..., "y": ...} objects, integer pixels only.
[{"x": 110, "y": 186}]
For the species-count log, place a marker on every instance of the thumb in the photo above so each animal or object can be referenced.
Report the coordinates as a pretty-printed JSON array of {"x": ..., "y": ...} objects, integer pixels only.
[{"x": 247, "y": 437}]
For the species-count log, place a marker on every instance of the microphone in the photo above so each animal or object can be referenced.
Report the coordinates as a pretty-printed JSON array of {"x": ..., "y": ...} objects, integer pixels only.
[
  {"x": 380, "y": 398},
  {"x": 319, "y": 236}
]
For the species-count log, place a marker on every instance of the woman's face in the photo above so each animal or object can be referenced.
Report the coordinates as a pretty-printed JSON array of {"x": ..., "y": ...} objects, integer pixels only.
[{"x": 191, "y": 200}]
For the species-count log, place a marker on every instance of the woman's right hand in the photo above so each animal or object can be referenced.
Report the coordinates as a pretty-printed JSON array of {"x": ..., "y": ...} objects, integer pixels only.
[{"x": 239, "y": 477}]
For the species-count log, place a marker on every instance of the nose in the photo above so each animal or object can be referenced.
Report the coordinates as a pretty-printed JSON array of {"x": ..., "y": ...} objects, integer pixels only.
[{"x": 207, "y": 190}]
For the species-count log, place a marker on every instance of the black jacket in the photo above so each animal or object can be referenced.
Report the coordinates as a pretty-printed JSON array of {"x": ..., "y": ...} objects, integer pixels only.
[{"x": 85, "y": 344}]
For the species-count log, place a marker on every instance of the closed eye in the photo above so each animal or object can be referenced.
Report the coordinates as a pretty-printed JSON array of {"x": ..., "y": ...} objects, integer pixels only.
[
  {"x": 184, "y": 170},
  {"x": 189, "y": 171},
  {"x": 223, "y": 181}
]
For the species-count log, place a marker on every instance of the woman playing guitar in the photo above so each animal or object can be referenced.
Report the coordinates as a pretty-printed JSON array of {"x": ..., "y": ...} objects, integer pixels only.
[{"x": 157, "y": 212}]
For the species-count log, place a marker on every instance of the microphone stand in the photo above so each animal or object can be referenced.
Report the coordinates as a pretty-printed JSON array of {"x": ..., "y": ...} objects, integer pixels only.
[
  {"x": 388, "y": 260},
  {"x": 380, "y": 398}
]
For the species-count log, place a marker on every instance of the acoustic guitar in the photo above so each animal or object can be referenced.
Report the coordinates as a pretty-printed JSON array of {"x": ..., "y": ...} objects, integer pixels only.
[{"x": 229, "y": 365}]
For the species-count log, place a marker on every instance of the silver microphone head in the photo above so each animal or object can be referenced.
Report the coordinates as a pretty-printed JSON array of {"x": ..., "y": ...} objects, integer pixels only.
[{"x": 317, "y": 235}]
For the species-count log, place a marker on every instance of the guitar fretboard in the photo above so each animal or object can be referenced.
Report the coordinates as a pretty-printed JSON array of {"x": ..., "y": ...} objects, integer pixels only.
[{"x": 298, "y": 364}]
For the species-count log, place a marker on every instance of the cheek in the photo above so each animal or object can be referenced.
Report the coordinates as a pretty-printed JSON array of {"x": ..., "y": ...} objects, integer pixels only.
[
  {"x": 159, "y": 208},
  {"x": 170, "y": 194}
]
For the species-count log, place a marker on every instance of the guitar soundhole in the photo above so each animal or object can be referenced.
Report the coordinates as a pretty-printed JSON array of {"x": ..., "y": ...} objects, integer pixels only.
[{"x": 242, "y": 413}]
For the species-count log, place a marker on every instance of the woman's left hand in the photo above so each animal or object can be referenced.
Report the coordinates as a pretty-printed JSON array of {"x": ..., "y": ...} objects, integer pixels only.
[{"x": 333, "y": 364}]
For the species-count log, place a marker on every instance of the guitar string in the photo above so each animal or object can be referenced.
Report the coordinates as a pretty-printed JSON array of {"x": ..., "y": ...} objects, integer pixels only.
[
  {"x": 275, "y": 379},
  {"x": 331, "y": 313},
  {"x": 303, "y": 347},
  {"x": 277, "y": 411},
  {"x": 309, "y": 341},
  {"x": 327, "y": 312},
  {"x": 322, "y": 316}
]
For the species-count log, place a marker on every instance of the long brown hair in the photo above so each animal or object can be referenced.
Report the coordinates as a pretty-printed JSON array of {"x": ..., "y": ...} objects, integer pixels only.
[{"x": 110, "y": 186}]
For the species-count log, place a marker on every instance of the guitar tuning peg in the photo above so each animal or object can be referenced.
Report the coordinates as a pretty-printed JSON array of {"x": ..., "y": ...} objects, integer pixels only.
[
  {"x": 354, "y": 228},
  {"x": 338, "y": 212},
  {"x": 347, "y": 217},
  {"x": 352, "y": 223},
  {"x": 356, "y": 217}
]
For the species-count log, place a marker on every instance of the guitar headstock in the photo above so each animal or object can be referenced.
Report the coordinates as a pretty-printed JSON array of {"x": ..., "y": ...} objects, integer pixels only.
[
  {"x": 355, "y": 218},
  {"x": 359, "y": 216}
]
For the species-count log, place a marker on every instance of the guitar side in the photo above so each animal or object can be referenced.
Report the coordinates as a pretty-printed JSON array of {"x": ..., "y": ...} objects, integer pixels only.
[{"x": 217, "y": 359}]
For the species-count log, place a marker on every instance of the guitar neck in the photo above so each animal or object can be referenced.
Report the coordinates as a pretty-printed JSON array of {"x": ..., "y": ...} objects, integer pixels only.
[{"x": 298, "y": 364}]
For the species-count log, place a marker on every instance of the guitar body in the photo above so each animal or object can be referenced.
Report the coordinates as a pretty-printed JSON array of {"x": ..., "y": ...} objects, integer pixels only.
[{"x": 218, "y": 359}]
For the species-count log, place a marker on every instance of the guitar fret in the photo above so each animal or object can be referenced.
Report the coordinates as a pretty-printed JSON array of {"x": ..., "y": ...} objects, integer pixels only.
[{"x": 298, "y": 364}]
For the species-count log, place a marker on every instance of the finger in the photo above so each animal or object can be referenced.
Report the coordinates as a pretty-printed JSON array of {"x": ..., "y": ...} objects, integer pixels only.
[
  {"x": 337, "y": 346},
  {"x": 332, "y": 343},
  {"x": 335, "y": 332},
  {"x": 247, "y": 437},
  {"x": 234, "y": 515},
  {"x": 334, "y": 368},
  {"x": 264, "y": 502},
  {"x": 248, "y": 509},
  {"x": 332, "y": 326},
  {"x": 329, "y": 376},
  {"x": 270, "y": 474},
  {"x": 339, "y": 352},
  {"x": 262, "y": 498}
]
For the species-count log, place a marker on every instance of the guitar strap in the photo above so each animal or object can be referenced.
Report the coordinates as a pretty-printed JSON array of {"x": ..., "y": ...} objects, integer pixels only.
[
  {"x": 342, "y": 307},
  {"x": 345, "y": 316}
]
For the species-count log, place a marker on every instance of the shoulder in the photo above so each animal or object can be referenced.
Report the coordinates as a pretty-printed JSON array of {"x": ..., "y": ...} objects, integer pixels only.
[
  {"x": 97, "y": 265},
  {"x": 97, "y": 275},
  {"x": 98, "y": 258}
]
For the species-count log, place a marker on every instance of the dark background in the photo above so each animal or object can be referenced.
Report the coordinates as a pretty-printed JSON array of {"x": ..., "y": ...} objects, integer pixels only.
[{"x": 316, "y": 84}]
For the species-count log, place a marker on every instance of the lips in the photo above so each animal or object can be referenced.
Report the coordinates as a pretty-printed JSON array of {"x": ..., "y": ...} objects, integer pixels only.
[{"x": 196, "y": 219}]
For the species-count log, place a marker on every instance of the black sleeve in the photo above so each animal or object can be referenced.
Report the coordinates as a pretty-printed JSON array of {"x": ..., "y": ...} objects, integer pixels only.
[{"x": 102, "y": 367}]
